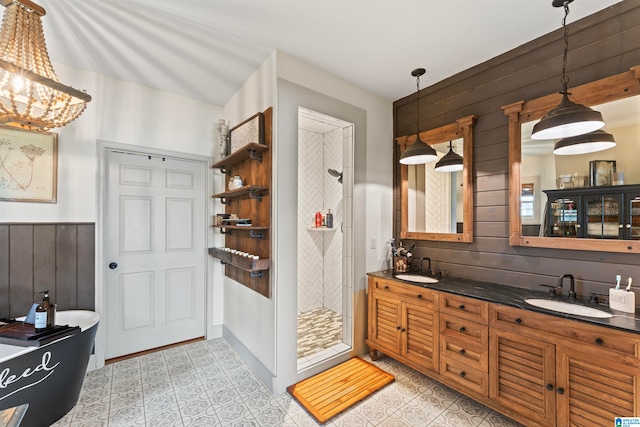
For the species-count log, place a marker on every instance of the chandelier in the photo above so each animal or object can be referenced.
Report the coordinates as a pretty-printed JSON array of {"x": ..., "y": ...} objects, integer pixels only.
[{"x": 31, "y": 95}]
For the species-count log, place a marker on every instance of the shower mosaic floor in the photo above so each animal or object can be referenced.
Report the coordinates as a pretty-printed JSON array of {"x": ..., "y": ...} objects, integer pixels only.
[{"x": 318, "y": 330}]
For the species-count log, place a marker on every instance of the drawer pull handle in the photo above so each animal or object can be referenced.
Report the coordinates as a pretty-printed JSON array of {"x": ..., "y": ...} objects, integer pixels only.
[
  {"x": 386, "y": 287},
  {"x": 462, "y": 329},
  {"x": 462, "y": 374},
  {"x": 599, "y": 341},
  {"x": 461, "y": 306},
  {"x": 419, "y": 296},
  {"x": 549, "y": 387},
  {"x": 398, "y": 327},
  {"x": 560, "y": 390},
  {"x": 402, "y": 330},
  {"x": 462, "y": 351},
  {"x": 518, "y": 320}
]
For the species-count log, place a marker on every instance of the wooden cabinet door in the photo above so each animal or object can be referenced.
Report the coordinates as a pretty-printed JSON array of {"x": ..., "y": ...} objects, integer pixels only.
[
  {"x": 593, "y": 390},
  {"x": 420, "y": 334},
  {"x": 385, "y": 322},
  {"x": 522, "y": 376}
]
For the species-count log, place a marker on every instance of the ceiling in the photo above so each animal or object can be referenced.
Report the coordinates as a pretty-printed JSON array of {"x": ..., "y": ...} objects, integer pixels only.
[{"x": 206, "y": 49}]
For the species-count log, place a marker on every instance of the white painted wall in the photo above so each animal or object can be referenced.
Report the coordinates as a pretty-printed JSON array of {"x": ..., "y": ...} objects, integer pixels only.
[
  {"x": 120, "y": 113},
  {"x": 248, "y": 315}
]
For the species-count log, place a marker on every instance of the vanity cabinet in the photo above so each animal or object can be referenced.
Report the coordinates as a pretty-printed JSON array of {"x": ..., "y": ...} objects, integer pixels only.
[
  {"x": 554, "y": 371},
  {"x": 403, "y": 323},
  {"x": 611, "y": 212},
  {"x": 252, "y": 162},
  {"x": 536, "y": 368}
]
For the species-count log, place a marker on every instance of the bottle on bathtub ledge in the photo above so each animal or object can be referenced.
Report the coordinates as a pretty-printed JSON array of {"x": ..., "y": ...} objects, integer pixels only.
[{"x": 45, "y": 314}]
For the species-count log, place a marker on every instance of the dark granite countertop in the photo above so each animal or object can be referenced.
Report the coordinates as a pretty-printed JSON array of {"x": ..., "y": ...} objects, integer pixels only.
[{"x": 514, "y": 297}]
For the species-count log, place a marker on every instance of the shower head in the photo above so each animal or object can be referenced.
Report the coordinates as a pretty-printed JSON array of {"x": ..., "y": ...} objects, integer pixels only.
[{"x": 335, "y": 173}]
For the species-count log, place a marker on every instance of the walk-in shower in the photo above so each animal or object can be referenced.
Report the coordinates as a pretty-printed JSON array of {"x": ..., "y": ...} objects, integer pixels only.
[{"x": 324, "y": 290}]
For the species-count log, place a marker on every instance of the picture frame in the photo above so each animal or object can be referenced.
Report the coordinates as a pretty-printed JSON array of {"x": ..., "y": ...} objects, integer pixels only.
[
  {"x": 601, "y": 172},
  {"x": 28, "y": 166},
  {"x": 247, "y": 132}
]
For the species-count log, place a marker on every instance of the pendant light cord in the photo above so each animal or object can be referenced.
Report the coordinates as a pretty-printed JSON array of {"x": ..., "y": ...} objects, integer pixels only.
[
  {"x": 565, "y": 79},
  {"x": 418, "y": 107}
]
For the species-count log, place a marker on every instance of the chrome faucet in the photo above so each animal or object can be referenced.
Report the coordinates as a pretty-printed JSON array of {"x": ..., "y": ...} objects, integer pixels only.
[
  {"x": 572, "y": 285},
  {"x": 429, "y": 267}
]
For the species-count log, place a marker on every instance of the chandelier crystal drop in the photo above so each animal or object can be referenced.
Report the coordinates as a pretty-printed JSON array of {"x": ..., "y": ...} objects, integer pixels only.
[{"x": 32, "y": 97}]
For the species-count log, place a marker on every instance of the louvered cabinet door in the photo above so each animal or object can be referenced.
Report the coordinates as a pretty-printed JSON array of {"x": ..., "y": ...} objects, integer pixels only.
[
  {"x": 593, "y": 390},
  {"x": 385, "y": 322},
  {"x": 420, "y": 334},
  {"x": 522, "y": 376}
]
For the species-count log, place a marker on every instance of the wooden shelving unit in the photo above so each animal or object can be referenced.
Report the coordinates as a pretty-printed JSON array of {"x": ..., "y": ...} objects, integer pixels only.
[{"x": 252, "y": 162}]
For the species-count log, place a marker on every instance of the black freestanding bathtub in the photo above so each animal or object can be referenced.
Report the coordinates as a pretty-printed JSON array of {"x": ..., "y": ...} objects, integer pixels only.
[{"x": 48, "y": 378}]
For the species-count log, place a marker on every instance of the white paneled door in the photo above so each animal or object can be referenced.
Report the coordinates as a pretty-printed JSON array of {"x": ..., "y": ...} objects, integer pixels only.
[{"x": 155, "y": 251}]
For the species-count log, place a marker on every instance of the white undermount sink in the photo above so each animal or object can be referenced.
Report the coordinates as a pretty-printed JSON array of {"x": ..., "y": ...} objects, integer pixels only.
[
  {"x": 416, "y": 278},
  {"x": 568, "y": 308}
]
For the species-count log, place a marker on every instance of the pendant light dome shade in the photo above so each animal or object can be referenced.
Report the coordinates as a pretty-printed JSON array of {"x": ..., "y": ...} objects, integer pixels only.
[
  {"x": 587, "y": 143},
  {"x": 566, "y": 120},
  {"x": 418, "y": 153},
  {"x": 450, "y": 162}
]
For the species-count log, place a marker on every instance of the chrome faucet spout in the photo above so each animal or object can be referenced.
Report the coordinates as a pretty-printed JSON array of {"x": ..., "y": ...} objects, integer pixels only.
[
  {"x": 429, "y": 265},
  {"x": 572, "y": 285}
]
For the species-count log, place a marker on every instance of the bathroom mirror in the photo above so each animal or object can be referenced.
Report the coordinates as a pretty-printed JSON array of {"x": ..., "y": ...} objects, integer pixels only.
[
  {"x": 439, "y": 205},
  {"x": 532, "y": 171}
]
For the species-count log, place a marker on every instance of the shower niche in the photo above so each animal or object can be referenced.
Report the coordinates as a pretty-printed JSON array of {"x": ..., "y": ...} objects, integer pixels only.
[{"x": 324, "y": 285}]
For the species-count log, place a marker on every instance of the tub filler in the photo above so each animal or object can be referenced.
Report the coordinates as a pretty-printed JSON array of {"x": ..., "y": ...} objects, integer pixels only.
[{"x": 39, "y": 385}]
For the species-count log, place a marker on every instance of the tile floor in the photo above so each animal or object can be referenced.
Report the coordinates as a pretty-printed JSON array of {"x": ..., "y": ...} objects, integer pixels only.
[
  {"x": 207, "y": 384},
  {"x": 317, "y": 330}
]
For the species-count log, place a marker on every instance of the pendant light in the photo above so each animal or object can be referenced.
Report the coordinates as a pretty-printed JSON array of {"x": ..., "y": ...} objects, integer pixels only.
[
  {"x": 591, "y": 142},
  {"x": 419, "y": 152},
  {"x": 567, "y": 118},
  {"x": 450, "y": 162}
]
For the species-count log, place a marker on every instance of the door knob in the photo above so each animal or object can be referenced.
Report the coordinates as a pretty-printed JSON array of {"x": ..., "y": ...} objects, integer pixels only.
[{"x": 113, "y": 265}]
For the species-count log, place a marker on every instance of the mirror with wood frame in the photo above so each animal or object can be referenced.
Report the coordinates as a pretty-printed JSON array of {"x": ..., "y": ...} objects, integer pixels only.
[
  {"x": 560, "y": 216},
  {"x": 444, "y": 211}
]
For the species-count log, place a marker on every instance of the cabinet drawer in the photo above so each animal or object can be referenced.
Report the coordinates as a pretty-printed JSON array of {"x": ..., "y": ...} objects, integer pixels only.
[
  {"x": 465, "y": 376},
  {"x": 400, "y": 289},
  {"x": 466, "y": 352},
  {"x": 471, "y": 332},
  {"x": 467, "y": 308},
  {"x": 598, "y": 337}
]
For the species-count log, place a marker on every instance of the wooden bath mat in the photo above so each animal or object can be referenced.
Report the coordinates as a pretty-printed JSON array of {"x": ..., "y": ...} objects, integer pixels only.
[{"x": 330, "y": 392}]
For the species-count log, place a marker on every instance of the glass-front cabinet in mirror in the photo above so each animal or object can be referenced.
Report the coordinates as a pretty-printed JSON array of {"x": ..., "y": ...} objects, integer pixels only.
[
  {"x": 438, "y": 205},
  {"x": 581, "y": 201}
]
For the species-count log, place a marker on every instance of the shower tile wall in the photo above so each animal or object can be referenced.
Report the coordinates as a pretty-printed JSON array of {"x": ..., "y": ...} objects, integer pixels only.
[{"x": 319, "y": 253}]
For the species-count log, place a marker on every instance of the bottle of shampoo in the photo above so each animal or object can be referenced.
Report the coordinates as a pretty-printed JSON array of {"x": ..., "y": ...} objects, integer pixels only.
[
  {"x": 318, "y": 219},
  {"x": 329, "y": 219},
  {"x": 42, "y": 313}
]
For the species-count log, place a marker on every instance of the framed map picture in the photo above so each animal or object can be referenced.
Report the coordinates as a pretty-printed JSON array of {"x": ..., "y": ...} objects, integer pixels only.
[{"x": 28, "y": 165}]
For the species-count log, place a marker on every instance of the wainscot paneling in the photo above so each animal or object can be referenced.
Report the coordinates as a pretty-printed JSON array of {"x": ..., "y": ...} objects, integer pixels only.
[
  {"x": 55, "y": 257},
  {"x": 601, "y": 45}
]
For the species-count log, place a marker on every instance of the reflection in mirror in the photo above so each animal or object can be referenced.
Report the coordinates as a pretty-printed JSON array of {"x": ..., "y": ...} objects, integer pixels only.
[
  {"x": 583, "y": 201},
  {"x": 435, "y": 198},
  {"x": 439, "y": 205},
  {"x": 540, "y": 166}
]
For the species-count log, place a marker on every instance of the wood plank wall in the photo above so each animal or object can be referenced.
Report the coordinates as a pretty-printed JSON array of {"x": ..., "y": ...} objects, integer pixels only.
[
  {"x": 600, "y": 45},
  {"x": 37, "y": 257}
]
